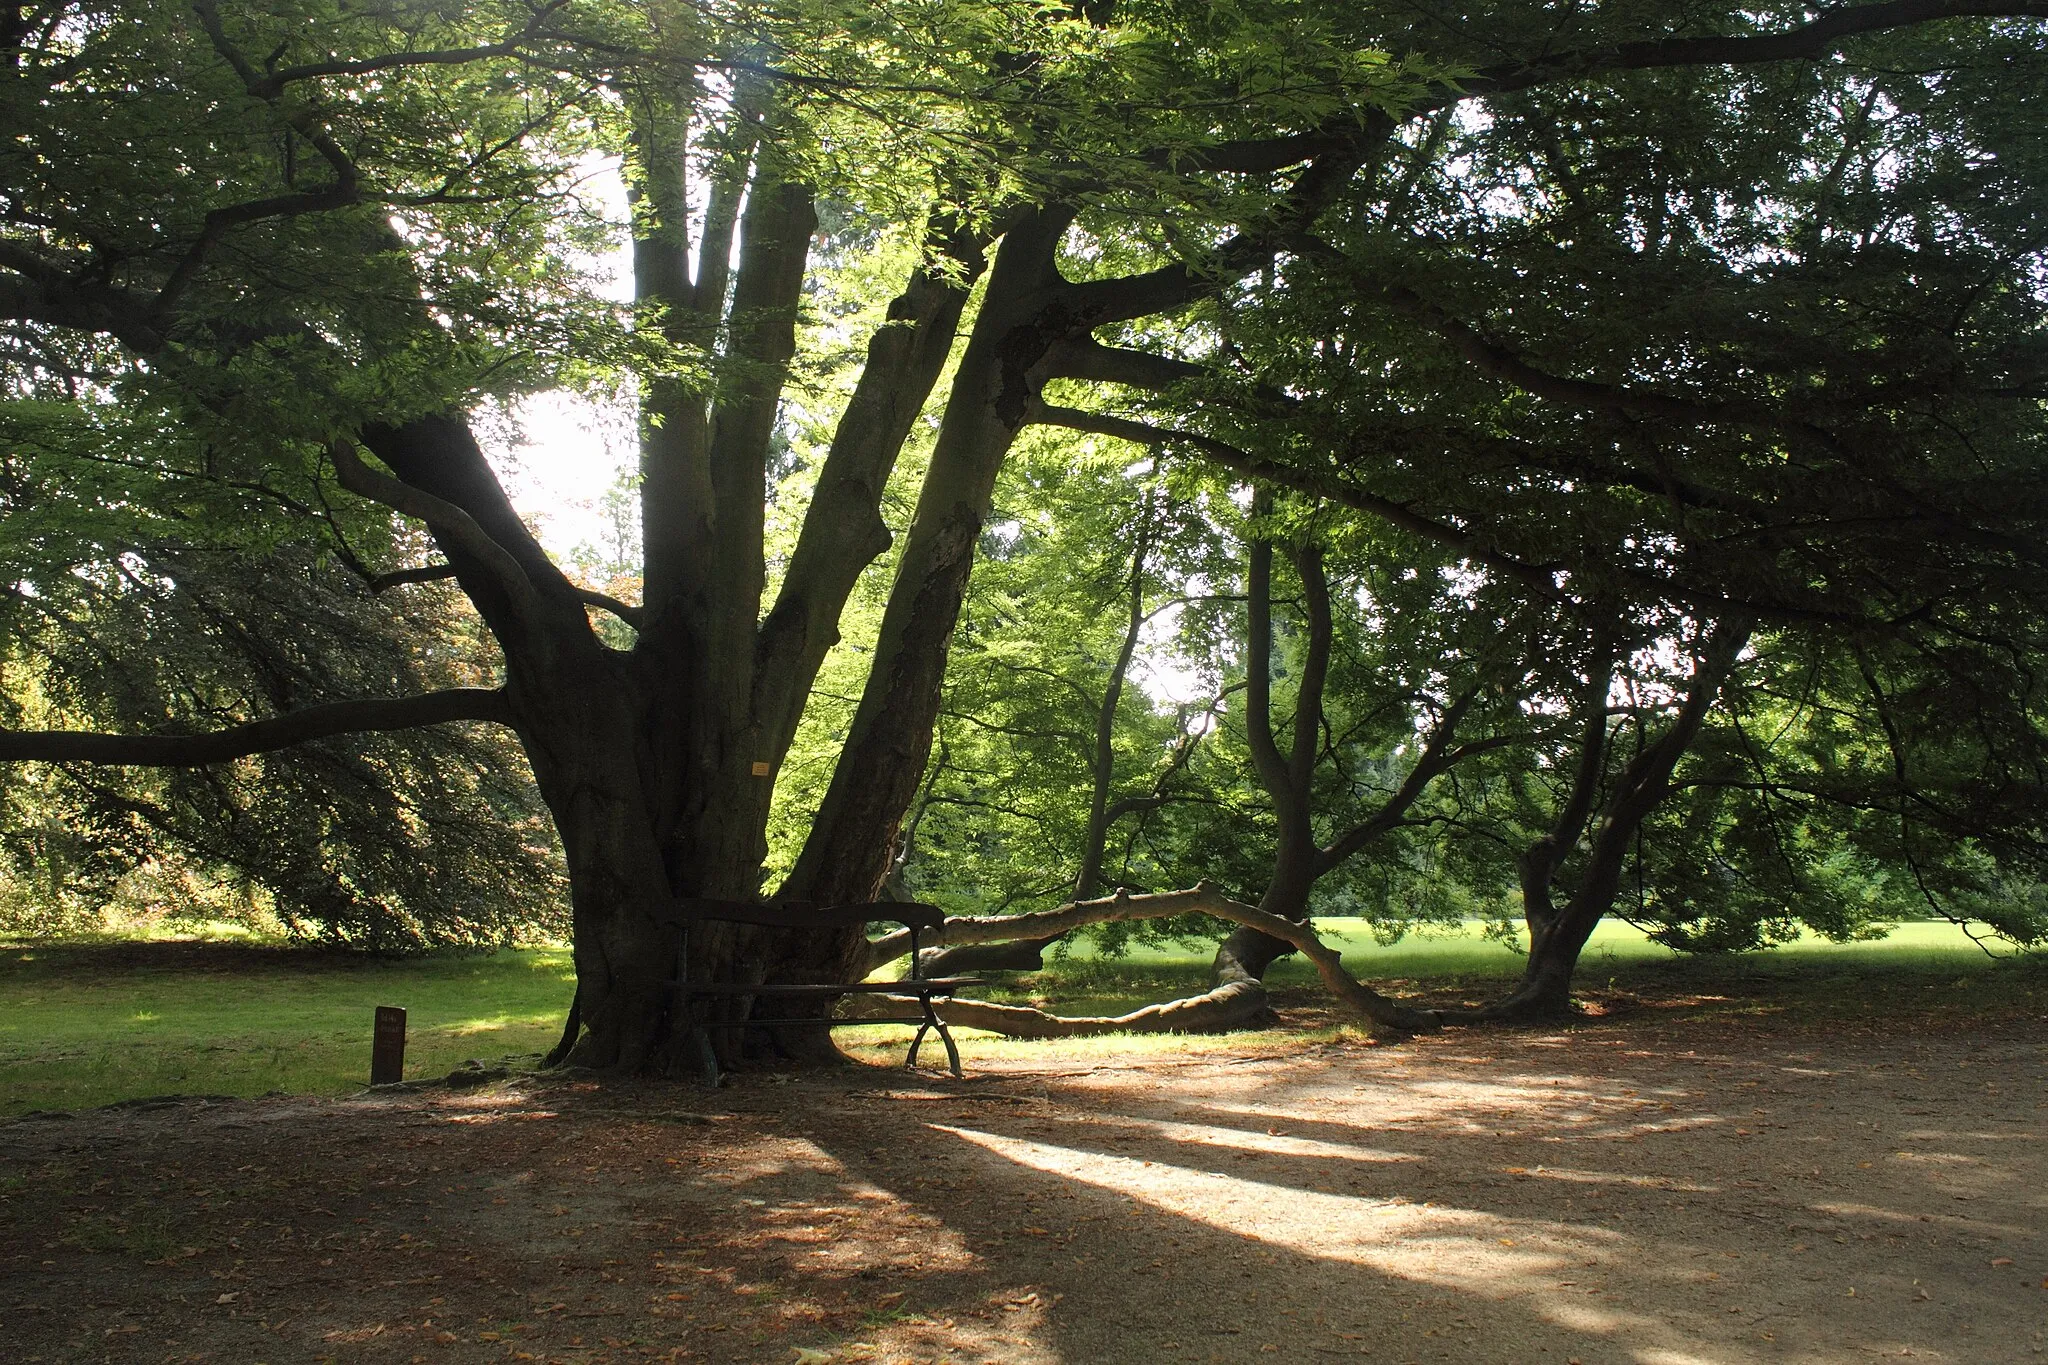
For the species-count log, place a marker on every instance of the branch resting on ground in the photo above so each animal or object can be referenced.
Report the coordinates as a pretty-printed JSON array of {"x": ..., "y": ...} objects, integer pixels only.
[{"x": 1229, "y": 1004}]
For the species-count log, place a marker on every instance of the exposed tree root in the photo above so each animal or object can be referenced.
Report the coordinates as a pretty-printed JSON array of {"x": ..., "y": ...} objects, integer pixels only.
[
  {"x": 572, "y": 1026},
  {"x": 1525, "y": 1006},
  {"x": 1237, "y": 999}
]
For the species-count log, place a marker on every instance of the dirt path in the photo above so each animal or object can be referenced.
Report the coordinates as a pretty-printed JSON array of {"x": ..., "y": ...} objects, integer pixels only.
[{"x": 1662, "y": 1193}]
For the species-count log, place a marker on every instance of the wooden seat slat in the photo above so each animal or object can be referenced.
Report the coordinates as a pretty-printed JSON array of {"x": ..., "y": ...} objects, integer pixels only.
[
  {"x": 684, "y": 911},
  {"x": 799, "y": 914},
  {"x": 944, "y": 985}
]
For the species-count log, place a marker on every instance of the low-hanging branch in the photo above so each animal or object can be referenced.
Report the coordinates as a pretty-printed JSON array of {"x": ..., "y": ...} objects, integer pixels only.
[
  {"x": 437, "y": 573},
  {"x": 1541, "y": 577},
  {"x": 1378, "y": 1010},
  {"x": 256, "y": 737}
]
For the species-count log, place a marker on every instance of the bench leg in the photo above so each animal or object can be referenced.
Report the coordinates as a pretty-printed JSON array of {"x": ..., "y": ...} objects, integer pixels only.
[
  {"x": 917, "y": 1041},
  {"x": 707, "y": 1054},
  {"x": 952, "y": 1053},
  {"x": 931, "y": 1022}
]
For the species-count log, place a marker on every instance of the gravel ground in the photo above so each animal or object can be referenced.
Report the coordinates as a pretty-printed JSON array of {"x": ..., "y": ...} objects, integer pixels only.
[{"x": 1664, "y": 1192}]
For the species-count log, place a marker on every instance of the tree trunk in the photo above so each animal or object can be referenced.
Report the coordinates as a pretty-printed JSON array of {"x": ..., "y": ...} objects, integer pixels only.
[
  {"x": 675, "y": 750},
  {"x": 1247, "y": 953},
  {"x": 1558, "y": 936},
  {"x": 852, "y": 841}
]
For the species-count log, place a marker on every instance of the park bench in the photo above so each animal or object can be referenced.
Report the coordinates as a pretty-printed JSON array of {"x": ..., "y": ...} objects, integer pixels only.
[{"x": 687, "y": 911}]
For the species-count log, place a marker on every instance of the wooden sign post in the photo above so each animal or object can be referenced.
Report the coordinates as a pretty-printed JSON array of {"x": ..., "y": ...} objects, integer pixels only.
[{"x": 387, "y": 1046}]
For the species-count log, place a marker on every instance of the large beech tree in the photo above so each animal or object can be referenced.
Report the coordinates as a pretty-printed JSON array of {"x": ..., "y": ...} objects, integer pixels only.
[{"x": 292, "y": 244}]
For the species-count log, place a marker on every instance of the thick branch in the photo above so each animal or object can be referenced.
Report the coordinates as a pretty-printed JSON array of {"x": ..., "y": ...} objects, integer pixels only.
[
  {"x": 257, "y": 737},
  {"x": 1315, "y": 663},
  {"x": 1504, "y": 363},
  {"x": 1205, "y": 899},
  {"x": 1102, "y": 755},
  {"x": 398, "y": 578},
  {"x": 1437, "y": 757},
  {"x": 1271, "y": 764},
  {"x": 1086, "y": 358},
  {"x": 1816, "y": 38},
  {"x": 1538, "y": 863},
  {"x": 450, "y": 523},
  {"x": 625, "y": 611},
  {"x": 843, "y": 531}
]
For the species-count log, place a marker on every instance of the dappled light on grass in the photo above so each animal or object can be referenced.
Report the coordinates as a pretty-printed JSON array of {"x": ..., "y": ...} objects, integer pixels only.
[
  {"x": 492, "y": 1023},
  {"x": 86, "y": 1025}
]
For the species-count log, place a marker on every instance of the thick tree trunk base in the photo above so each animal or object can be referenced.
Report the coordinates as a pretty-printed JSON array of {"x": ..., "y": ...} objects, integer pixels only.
[
  {"x": 1546, "y": 1000},
  {"x": 571, "y": 1027},
  {"x": 1245, "y": 955}
]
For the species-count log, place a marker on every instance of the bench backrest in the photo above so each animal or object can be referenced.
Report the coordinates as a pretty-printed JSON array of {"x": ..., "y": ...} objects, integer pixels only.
[
  {"x": 684, "y": 911},
  {"x": 801, "y": 914}
]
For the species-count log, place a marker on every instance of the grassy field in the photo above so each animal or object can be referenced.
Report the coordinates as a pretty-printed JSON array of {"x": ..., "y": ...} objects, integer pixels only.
[
  {"x": 91, "y": 1024},
  {"x": 94, "y": 1023},
  {"x": 1088, "y": 984}
]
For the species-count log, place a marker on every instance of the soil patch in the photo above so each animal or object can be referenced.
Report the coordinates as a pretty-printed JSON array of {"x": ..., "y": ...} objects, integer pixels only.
[{"x": 1642, "y": 1189}]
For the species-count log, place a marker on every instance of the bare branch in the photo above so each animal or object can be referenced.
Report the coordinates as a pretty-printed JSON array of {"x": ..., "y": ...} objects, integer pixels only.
[
  {"x": 426, "y": 573},
  {"x": 1541, "y": 577}
]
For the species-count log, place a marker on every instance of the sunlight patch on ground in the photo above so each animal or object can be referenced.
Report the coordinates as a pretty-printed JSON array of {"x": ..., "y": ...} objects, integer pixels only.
[
  {"x": 1278, "y": 1144},
  {"x": 1478, "y": 1252},
  {"x": 1975, "y": 1226},
  {"x": 492, "y": 1023},
  {"x": 1559, "y": 1271},
  {"x": 1475, "y": 1106}
]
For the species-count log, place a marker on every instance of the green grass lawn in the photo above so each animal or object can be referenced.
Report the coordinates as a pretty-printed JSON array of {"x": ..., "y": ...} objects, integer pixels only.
[
  {"x": 89, "y": 1024},
  {"x": 93, "y": 1023},
  {"x": 1086, "y": 983}
]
